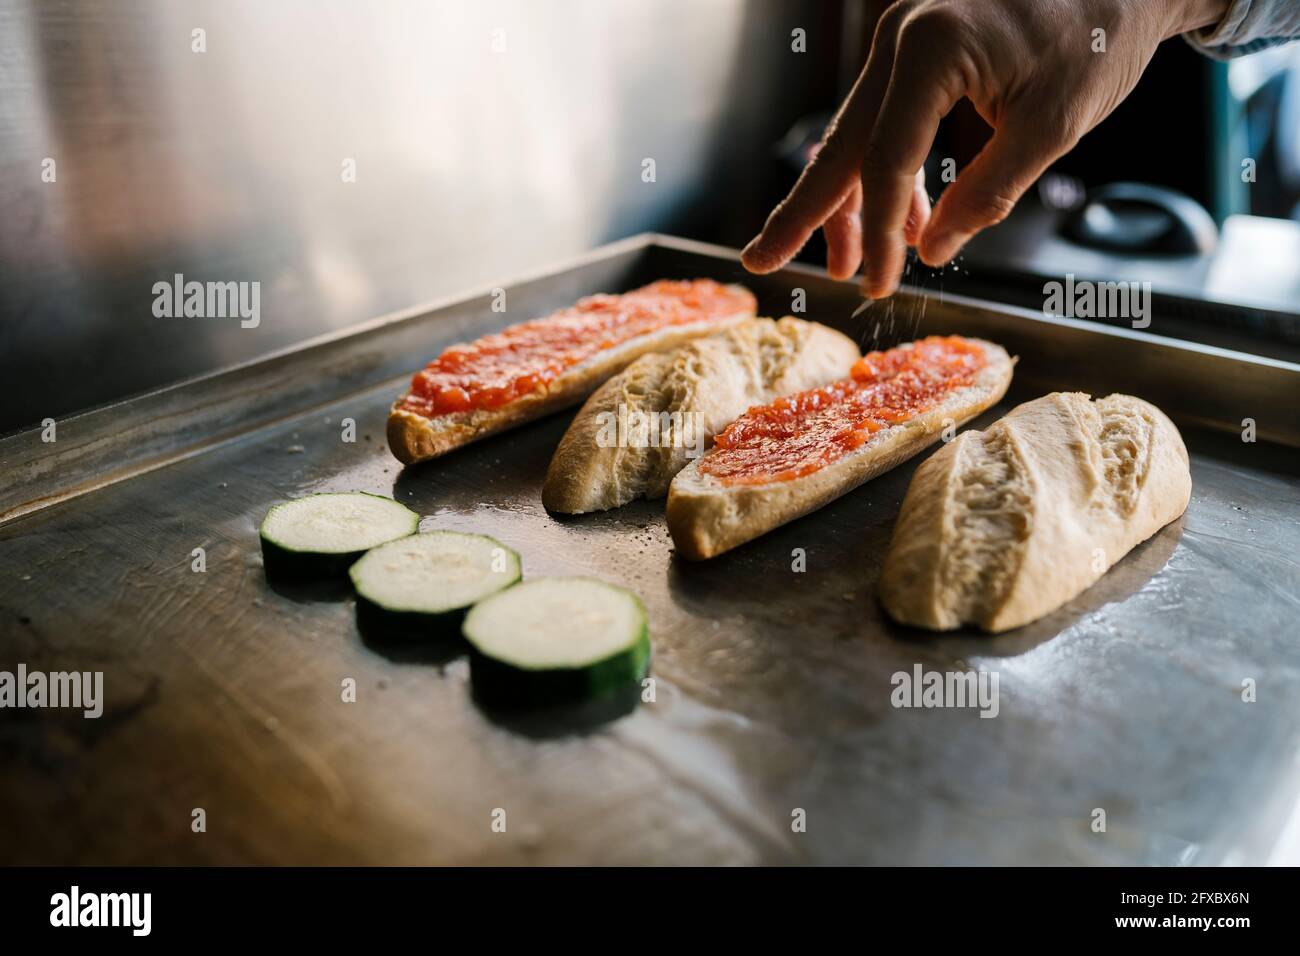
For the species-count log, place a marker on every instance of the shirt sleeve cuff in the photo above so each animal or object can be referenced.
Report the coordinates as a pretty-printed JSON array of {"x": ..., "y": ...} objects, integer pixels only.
[{"x": 1248, "y": 26}]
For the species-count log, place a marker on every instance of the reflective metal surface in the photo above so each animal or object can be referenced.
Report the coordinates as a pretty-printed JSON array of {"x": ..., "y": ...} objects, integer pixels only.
[
  {"x": 773, "y": 686},
  {"x": 487, "y": 138}
]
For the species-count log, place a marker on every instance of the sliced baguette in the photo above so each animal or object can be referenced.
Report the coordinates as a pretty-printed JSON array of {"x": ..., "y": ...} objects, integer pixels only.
[
  {"x": 414, "y": 437},
  {"x": 707, "y": 517},
  {"x": 695, "y": 390},
  {"x": 1005, "y": 525}
]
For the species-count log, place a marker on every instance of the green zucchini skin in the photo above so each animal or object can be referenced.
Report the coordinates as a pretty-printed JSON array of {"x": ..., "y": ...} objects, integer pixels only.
[
  {"x": 376, "y": 621},
  {"x": 506, "y": 687},
  {"x": 282, "y": 564},
  {"x": 574, "y": 719}
]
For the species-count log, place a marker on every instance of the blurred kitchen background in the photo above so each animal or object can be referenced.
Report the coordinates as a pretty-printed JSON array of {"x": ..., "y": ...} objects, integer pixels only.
[{"x": 490, "y": 139}]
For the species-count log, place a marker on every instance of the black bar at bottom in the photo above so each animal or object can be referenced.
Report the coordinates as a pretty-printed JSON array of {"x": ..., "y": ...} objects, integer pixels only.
[{"x": 335, "y": 905}]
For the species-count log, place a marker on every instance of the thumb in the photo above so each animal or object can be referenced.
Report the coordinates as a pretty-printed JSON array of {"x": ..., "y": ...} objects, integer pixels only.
[{"x": 988, "y": 189}]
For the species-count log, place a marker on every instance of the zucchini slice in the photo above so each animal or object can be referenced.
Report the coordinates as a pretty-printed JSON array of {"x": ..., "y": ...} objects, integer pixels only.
[
  {"x": 556, "y": 640},
  {"x": 425, "y": 582},
  {"x": 321, "y": 535}
]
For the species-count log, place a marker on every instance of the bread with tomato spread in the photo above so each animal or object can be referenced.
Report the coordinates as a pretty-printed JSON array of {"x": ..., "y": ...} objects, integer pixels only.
[
  {"x": 649, "y": 421},
  {"x": 419, "y": 430},
  {"x": 715, "y": 503},
  {"x": 1004, "y": 525}
]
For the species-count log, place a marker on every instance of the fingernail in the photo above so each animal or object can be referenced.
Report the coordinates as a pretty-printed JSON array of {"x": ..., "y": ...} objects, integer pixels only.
[{"x": 912, "y": 228}]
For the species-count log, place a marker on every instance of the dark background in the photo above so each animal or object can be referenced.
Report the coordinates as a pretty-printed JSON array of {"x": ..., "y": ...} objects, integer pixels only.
[{"x": 473, "y": 166}]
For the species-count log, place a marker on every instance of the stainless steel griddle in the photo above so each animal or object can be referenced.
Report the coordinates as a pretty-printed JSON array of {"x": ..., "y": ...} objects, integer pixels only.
[{"x": 773, "y": 687}]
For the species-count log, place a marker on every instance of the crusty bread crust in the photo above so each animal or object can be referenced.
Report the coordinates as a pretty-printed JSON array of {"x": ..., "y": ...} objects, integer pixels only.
[
  {"x": 707, "y": 517},
  {"x": 695, "y": 391},
  {"x": 1005, "y": 525},
  {"x": 413, "y": 437}
]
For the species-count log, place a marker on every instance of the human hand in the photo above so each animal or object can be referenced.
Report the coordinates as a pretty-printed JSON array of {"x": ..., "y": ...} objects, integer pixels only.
[{"x": 1030, "y": 70}]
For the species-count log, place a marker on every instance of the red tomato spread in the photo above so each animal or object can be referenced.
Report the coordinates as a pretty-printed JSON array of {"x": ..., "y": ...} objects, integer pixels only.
[
  {"x": 498, "y": 369},
  {"x": 801, "y": 433}
]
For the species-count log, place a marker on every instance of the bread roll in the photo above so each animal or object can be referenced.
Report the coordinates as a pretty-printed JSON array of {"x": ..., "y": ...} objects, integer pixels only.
[
  {"x": 685, "y": 396},
  {"x": 707, "y": 516},
  {"x": 1002, "y": 526},
  {"x": 414, "y": 437}
]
